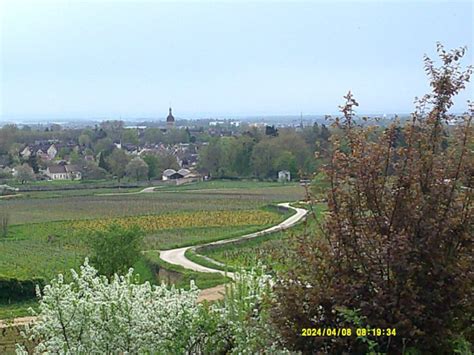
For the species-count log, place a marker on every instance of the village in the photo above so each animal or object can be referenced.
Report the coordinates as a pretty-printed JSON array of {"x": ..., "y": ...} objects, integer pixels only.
[{"x": 112, "y": 151}]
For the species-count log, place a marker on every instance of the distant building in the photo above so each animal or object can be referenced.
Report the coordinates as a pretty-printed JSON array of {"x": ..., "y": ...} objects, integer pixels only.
[
  {"x": 284, "y": 176},
  {"x": 181, "y": 176},
  {"x": 171, "y": 174},
  {"x": 170, "y": 120},
  {"x": 63, "y": 172}
]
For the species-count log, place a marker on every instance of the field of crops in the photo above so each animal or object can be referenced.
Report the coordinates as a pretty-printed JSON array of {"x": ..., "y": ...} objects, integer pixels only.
[
  {"x": 153, "y": 223},
  {"x": 74, "y": 205}
]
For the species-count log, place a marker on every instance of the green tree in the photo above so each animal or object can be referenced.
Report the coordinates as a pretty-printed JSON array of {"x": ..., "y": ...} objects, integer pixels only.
[
  {"x": 153, "y": 135},
  {"x": 64, "y": 152},
  {"x": 286, "y": 161},
  {"x": 117, "y": 162},
  {"x": 137, "y": 168},
  {"x": 130, "y": 136},
  {"x": 291, "y": 141},
  {"x": 75, "y": 158},
  {"x": 104, "y": 145},
  {"x": 115, "y": 250},
  {"x": 211, "y": 157},
  {"x": 93, "y": 172},
  {"x": 85, "y": 140},
  {"x": 113, "y": 129},
  {"x": 33, "y": 162},
  {"x": 103, "y": 162},
  {"x": 153, "y": 165},
  {"x": 4, "y": 222},
  {"x": 242, "y": 149},
  {"x": 263, "y": 158}
]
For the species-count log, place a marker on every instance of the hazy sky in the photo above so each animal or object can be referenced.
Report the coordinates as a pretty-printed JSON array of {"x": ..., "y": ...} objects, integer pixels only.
[{"x": 133, "y": 58}]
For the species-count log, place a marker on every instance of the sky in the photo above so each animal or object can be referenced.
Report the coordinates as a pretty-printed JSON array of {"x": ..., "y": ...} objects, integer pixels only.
[{"x": 132, "y": 59}]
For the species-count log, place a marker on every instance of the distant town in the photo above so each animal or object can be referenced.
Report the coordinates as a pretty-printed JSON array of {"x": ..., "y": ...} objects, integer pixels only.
[{"x": 171, "y": 150}]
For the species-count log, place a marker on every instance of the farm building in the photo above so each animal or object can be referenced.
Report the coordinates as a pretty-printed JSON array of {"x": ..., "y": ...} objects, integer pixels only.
[
  {"x": 171, "y": 174},
  {"x": 181, "y": 176}
]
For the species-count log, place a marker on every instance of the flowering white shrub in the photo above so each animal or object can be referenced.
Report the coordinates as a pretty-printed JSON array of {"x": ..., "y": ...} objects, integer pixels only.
[
  {"x": 243, "y": 315},
  {"x": 93, "y": 315}
]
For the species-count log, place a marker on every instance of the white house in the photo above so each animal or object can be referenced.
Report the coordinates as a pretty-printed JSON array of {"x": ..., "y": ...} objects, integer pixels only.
[
  {"x": 63, "y": 172},
  {"x": 284, "y": 176}
]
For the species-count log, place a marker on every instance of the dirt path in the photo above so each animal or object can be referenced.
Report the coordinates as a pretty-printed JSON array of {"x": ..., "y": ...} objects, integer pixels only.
[
  {"x": 177, "y": 256},
  {"x": 143, "y": 191}
]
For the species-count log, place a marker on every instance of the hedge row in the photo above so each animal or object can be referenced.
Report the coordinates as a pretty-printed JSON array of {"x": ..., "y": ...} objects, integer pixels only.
[{"x": 12, "y": 289}]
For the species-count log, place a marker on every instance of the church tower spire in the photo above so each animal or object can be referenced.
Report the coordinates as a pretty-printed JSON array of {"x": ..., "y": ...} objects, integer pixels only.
[{"x": 170, "y": 119}]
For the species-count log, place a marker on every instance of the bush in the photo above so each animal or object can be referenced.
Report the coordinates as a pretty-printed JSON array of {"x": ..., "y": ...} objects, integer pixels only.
[
  {"x": 95, "y": 315},
  {"x": 397, "y": 241},
  {"x": 13, "y": 290},
  {"x": 115, "y": 249}
]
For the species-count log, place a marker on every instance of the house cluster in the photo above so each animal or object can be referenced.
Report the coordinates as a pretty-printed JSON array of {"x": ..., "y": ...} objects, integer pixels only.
[
  {"x": 186, "y": 154},
  {"x": 45, "y": 150}
]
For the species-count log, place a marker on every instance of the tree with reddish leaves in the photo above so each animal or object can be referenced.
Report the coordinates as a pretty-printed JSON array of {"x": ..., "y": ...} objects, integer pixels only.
[{"x": 395, "y": 247}]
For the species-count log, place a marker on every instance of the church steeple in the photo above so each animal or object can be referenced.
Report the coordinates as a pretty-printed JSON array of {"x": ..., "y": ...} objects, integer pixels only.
[{"x": 170, "y": 119}]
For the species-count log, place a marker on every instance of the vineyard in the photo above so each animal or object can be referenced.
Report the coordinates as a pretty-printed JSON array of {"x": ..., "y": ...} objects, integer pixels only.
[
  {"x": 85, "y": 204},
  {"x": 151, "y": 223}
]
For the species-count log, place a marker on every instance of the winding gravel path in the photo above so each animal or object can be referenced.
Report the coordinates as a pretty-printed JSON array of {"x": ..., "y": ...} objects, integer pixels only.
[{"x": 178, "y": 257}]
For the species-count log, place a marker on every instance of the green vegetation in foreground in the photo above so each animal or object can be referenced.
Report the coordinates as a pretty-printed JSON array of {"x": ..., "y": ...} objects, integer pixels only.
[
  {"x": 181, "y": 277},
  {"x": 262, "y": 249}
]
